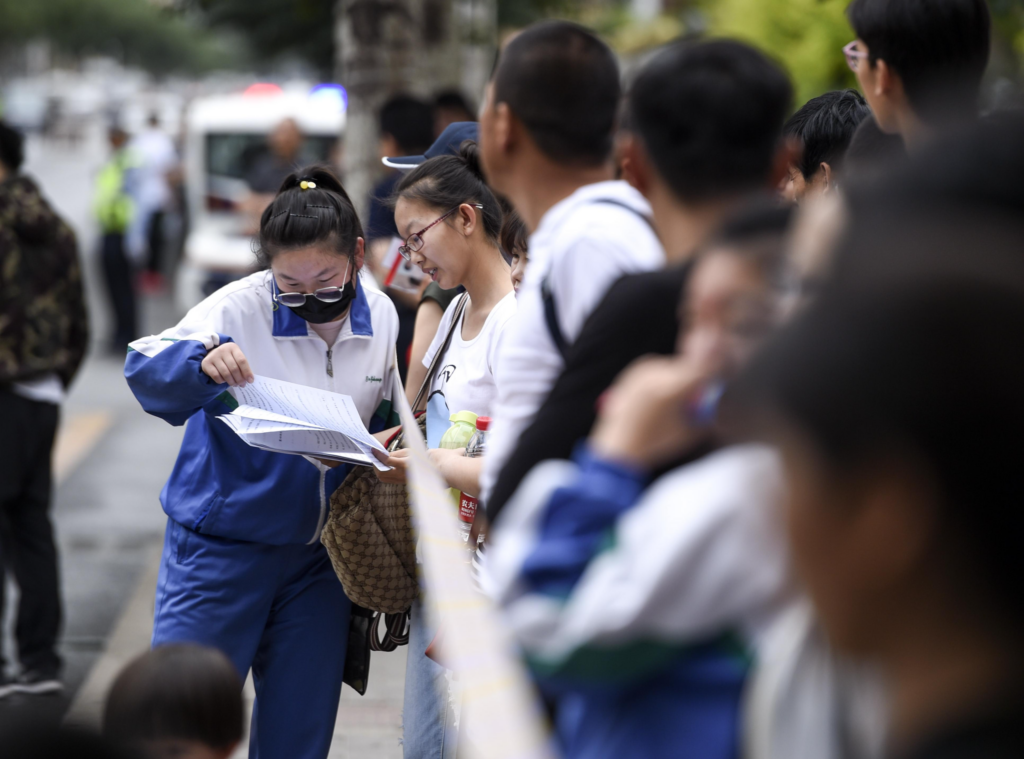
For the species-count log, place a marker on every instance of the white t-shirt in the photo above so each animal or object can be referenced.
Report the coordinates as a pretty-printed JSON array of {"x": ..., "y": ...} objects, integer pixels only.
[
  {"x": 464, "y": 380},
  {"x": 581, "y": 246}
]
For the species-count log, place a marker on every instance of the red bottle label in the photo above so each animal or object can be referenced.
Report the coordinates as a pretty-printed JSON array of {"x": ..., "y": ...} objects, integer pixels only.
[{"x": 467, "y": 508}]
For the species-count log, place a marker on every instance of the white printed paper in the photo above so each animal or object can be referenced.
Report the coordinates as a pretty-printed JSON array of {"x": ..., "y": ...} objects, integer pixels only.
[{"x": 289, "y": 418}]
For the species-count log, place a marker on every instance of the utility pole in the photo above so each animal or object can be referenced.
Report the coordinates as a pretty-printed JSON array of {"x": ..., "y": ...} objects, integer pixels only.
[{"x": 385, "y": 47}]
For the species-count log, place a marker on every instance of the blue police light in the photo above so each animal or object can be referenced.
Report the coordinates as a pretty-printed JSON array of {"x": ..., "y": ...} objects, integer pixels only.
[{"x": 330, "y": 95}]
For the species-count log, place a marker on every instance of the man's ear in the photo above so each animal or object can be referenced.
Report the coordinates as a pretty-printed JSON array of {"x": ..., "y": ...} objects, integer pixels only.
[
  {"x": 634, "y": 163},
  {"x": 506, "y": 128},
  {"x": 886, "y": 80},
  {"x": 826, "y": 173},
  {"x": 789, "y": 153}
]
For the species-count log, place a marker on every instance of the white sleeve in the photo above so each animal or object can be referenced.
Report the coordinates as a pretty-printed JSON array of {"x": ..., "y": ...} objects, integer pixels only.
[
  {"x": 701, "y": 550},
  {"x": 581, "y": 277}
]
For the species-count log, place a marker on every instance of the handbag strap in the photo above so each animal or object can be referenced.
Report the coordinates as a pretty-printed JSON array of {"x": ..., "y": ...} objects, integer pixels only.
[
  {"x": 397, "y": 627},
  {"x": 425, "y": 386}
]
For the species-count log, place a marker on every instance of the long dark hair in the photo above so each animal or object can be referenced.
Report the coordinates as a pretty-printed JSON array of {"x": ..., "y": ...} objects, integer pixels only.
[
  {"x": 448, "y": 181},
  {"x": 298, "y": 218}
]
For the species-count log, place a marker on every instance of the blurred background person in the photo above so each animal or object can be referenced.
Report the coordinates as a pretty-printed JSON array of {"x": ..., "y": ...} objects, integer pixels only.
[
  {"x": 450, "y": 107},
  {"x": 902, "y": 505},
  {"x": 179, "y": 701},
  {"x": 114, "y": 211},
  {"x": 823, "y": 128},
  {"x": 406, "y": 129},
  {"x": 634, "y": 651},
  {"x": 919, "y": 64},
  {"x": 282, "y": 156},
  {"x": 546, "y": 144},
  {"x": 692, "y": 186},
  {"x": 43, "y": 338},
  {"x": 872, "y": 153},
  {"x": 155, "y": 159}
]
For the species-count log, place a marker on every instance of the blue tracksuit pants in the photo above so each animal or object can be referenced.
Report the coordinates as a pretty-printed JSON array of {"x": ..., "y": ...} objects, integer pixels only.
[{"x": 277, "y": 609}]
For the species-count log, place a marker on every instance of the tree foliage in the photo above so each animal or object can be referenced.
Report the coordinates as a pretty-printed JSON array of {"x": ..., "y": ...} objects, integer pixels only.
[
  {"x": 273, "y": 28},
  {"x": 806, "y": 36},
  {"x": 137, "y": 32}
]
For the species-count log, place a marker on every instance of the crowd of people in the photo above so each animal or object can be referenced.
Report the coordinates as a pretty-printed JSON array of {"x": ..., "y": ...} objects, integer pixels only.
[{"x": 750, "y": 395}]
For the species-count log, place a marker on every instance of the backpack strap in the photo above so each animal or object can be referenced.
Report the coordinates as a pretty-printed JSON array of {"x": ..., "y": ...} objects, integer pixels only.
[{"x": 548, "y": 298}]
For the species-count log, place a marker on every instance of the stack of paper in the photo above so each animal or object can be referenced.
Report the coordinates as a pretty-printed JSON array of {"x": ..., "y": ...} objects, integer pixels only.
[{"x": 288, "y": 418}]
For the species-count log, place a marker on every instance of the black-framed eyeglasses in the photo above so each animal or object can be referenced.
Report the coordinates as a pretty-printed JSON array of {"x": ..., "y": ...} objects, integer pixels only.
[{"x": 414, "y": 242}]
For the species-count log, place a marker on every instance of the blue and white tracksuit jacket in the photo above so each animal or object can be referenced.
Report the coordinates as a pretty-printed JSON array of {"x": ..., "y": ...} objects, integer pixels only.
[
  {"x": 639, "y": 608},
  {"x": 243, "y": 569}
]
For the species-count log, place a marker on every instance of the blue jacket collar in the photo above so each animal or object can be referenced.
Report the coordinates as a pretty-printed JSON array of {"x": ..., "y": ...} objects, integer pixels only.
[{"x": 289, "y": 324}]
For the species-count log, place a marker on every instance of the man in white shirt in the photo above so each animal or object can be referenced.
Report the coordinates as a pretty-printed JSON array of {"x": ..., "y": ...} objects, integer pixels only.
[
  {"x": 154, "y": 152},
  {"x": 546, "y": 145}
]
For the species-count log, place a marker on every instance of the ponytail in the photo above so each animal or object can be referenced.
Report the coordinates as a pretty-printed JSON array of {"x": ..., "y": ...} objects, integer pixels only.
[
  {"x": 448, "y": 181},
  {"x": 311, "y": 207}
]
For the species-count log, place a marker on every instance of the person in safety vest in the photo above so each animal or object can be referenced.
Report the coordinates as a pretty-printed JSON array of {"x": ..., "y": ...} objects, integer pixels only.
[{"x": 114, "y": 211}]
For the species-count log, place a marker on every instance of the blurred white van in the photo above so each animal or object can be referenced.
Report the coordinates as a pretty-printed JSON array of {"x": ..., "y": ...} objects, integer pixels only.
[{"x": 225, "y": 136}]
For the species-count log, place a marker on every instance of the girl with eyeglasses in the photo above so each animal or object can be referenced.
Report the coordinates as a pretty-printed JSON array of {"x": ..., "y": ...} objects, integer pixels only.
[
  {"x": 451, "y": 223},
  {"x": 243, "y": 569}
]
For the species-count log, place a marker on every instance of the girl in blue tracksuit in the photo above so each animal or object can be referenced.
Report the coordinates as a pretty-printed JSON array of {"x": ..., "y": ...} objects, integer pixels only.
[{"x": 243, "y": 568}]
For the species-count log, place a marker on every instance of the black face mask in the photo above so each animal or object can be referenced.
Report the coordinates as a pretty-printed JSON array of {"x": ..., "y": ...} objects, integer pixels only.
[{"x": 316, "y": 311}]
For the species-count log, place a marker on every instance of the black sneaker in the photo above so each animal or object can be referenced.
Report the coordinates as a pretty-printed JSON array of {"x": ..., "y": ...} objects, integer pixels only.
[{"x": 37, "y": 683}]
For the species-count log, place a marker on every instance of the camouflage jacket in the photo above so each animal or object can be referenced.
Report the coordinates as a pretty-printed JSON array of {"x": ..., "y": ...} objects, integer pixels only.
[{"x": 43, "y": 322}]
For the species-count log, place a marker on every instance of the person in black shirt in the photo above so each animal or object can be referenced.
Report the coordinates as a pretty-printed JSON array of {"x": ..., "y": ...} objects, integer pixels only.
[{"x": 731, "y": 102}]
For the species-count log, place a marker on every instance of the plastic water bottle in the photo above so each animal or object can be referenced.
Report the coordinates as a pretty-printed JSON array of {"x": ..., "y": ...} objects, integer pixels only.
[
  {"x": 468, "y": 503},
  {"x": 458, "y": 436}
]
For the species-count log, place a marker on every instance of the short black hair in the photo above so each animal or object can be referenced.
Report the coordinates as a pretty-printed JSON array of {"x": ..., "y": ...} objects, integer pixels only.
[
  {"x": 872, "y": 152},
  {"x": 182, "y": 691},
  {"x": 756, "y": 231},
  {"x": 562, "y": 83},
  {"x": 12, "y": 147},
  {"x": 514, "y": 236},
  {"x": 825, "y": 125},
  {"x": 454, "y": 100},
  {"x": 298, "y": 218},
  {"x": 410, "y": 121},
  {"x": 939, "y": 49},
  {"x": 710, "y": 116},
  {"x": 976, "y": 168}
]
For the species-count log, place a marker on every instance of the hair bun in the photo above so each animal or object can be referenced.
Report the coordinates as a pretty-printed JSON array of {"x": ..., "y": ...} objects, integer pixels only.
[
  {"x": 469, "y": 153},
  {"x": 322, "y": 177}
]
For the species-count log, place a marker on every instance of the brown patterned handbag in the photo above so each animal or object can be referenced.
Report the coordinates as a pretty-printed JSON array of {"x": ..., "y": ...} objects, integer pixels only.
[{"x": 369, "y": 534}]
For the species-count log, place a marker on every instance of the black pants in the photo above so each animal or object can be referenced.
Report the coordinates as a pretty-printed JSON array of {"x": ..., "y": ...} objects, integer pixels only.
[
  {"x": 117, "y": 271},
  {"x": 155, "y": 242},
  {"x": 27, "y": 431}
]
